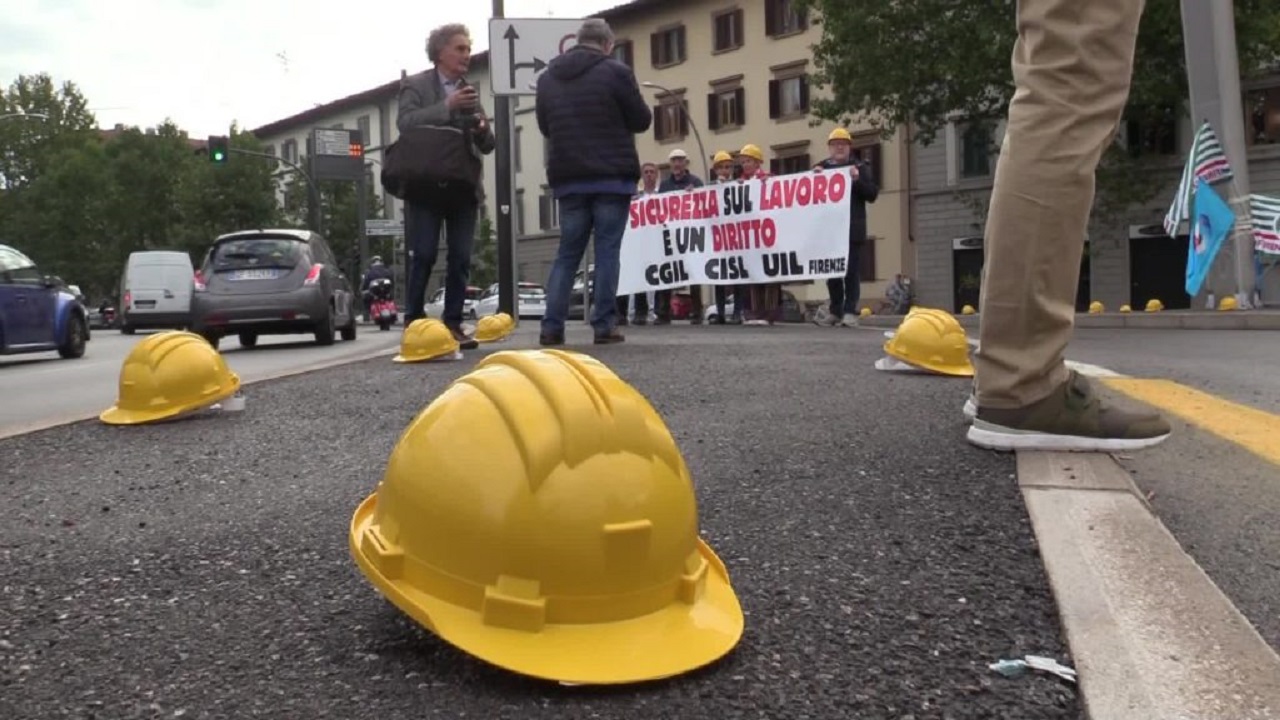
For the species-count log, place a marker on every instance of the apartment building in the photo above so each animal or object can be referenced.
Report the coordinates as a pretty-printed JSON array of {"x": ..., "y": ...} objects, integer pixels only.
[
  {"x": 721, "y": 75},
  {"x": 1130, "y": 259}
]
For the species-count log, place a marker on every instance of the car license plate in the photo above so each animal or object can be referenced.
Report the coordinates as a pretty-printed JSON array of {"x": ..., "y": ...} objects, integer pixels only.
[{"x": 259, "y": 274}]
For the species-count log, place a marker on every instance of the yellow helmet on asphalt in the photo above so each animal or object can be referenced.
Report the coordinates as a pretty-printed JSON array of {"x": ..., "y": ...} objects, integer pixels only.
[
  {"x": 507, "y": 320},
  {"x": 752, "y": 151},
  {"x": 493, "y": 327},
  {"x": 169, "y": 374},
  {"x": 933, "y": 340},
  {"x": 1154, "y": 305},
  {"x": 1096, "y": 307},
  {"x": 538, "y": 515},
  {"x": 840, "y": 134},
  {"x": 426, "y": 339}
]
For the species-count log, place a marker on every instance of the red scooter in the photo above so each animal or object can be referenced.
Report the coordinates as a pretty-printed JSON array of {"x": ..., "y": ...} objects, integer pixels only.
[{"x": 382, "y": 306}]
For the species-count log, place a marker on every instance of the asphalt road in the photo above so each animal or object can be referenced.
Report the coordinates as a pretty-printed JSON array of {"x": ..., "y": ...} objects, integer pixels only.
[
  {"x": 1221, "y": 502},
  {"x": 42, "y": 387},
  {"x": 201, "y": 569}
]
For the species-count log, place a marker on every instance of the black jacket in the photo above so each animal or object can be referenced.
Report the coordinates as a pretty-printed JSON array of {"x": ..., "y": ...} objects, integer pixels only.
[
  {"x": 865, "y": 190},
  {"x": 590, "y": 108}
]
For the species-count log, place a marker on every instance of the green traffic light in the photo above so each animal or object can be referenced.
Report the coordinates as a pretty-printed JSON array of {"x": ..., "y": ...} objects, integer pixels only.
[{"x": 218, "y": 156}]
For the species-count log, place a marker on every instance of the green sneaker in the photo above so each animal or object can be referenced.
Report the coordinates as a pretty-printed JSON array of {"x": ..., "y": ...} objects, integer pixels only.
[{"x": 1071, "y": 419}]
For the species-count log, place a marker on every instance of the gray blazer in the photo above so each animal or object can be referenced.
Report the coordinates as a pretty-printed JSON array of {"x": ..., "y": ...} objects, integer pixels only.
[{"x": 422, "y": 102}]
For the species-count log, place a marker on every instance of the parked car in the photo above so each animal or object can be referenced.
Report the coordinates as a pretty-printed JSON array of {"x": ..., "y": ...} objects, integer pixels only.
[
  {"x": 156, "y": 291},
  {"x": 36, "y": 313},
  {"x": 435, "y": 308},
  {"x": 273, "y": 282},
  {"x": 531, "y": 301}
]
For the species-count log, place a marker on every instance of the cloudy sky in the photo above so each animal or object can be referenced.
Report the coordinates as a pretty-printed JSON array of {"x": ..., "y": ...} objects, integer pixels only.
[{"x": 205, "y": 63}]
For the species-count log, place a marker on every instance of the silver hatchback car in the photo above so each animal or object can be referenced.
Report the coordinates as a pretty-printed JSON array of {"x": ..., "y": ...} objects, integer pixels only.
[{"x": 272, "y": 282}]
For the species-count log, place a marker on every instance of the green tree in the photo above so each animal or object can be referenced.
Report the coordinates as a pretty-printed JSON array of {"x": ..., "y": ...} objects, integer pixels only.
[
  {"x": 28, "y": 145},
  {"x": 218, "y": 198},
  {"x": 484, "y": 256},
  {"x": 340, "y": 216},
  {"x": 894, "y": 62}
]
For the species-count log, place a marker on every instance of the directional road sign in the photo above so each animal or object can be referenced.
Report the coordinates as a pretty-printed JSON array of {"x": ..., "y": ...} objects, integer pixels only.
[
  {"x": 379, "y": 226},
  {"x": 520, "y": 48}
]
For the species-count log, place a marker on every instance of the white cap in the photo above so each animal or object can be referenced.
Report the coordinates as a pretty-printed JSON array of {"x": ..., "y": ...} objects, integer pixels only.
[{"x": 677, "y": 153}]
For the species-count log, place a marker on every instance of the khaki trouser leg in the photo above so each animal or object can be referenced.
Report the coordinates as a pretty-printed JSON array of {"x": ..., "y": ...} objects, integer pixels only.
[{"x": 1072, "y": 65}]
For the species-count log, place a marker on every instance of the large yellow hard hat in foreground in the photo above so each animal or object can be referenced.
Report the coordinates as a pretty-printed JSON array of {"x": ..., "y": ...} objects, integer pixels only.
[
  {"x": 170, "y": 374},
  {"x": 539, "y": 516},
  {"x": 426, "y": 339}
]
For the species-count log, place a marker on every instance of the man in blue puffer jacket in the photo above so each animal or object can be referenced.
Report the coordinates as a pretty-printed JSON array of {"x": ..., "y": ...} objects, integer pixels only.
[{"x": 589, "y": 108}]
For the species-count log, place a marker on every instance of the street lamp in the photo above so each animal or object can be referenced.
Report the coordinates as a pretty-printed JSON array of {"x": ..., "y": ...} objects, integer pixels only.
[
  {"x": 6, "y": 116},
  {"x": 706, "y": 173}
]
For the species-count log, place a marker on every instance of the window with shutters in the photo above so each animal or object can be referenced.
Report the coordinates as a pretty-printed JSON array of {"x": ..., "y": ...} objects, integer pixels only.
[
  {"x": 976, "y": 145},
  {"x": 624, "y": 52},
  {"x": 784, "y": 17},
  {"x": 792, "y": 157},
  {"x": 727, "y": 30},
  {"x": 726, "y": 104},
  {"x": 667, "y": 47},
  {"x": 548, "y": 210},
  {"x": 789, "y": 91},
  {"x": 866, "y": 148},
  {"x": 671, "y": 119}
]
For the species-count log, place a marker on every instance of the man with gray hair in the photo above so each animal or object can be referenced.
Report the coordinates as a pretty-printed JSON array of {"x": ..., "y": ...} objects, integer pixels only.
[
  {"x": 442, "y": 97},
  {"x": 589, "y": 108}
]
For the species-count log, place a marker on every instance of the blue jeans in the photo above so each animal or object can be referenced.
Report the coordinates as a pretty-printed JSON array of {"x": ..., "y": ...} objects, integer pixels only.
[
  {"x": 580, "y": 215},
  {"x": 422, "y": 230}
]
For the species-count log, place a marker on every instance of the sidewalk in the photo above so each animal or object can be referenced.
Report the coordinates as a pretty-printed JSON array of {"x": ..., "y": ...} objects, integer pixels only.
[{"x": 203, "y": 566}]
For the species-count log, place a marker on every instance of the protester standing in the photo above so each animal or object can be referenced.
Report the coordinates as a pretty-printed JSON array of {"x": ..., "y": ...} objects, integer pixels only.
[
  {"x": 845, "y": 292},
  {"x": 678, "y": 179},
  {"x": 442, "y": 97},
  {"x": 766, "y": 297},
  {"x": 640, "y": 302},
  {"x": 589, "y": 107},
  {"x": 722, "y": 169},
  {"x": 1072, "y": 68}
]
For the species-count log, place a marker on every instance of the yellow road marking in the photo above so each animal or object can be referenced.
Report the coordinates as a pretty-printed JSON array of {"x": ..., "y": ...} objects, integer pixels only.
[{"x": 1253, "y": 429}]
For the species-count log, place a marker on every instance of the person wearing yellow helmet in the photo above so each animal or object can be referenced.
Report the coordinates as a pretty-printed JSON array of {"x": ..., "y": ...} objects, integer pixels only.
[
  {"x": 845, "y": 292},
  {"x": 1072, "y": 68},
  {"x": 766, "y": 298}
]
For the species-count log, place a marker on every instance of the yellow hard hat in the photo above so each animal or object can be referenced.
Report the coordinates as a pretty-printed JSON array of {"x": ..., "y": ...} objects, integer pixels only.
[
  {"x": 967, "y": 310},
  {"x": 721, "y": 157},
  {"x": 752, "y": 151},
  {"x": 1125, "y": 308},
  {"x": 840, "y": 134},
  {"x": 426, "y": 339},
  {"x": 1096, "y": 307},
  {"x": 931, "y": 339},
  {"x": 170, "y": 374},
  {"x": 508, "y": 321},
  {"x": 1154, "y": 305},
  {"x": 865, "y": 311},
  {"x": 1228, "y": 302},
  {"x": 539, "y": 516},
  {"x": 492, "y": 327}
]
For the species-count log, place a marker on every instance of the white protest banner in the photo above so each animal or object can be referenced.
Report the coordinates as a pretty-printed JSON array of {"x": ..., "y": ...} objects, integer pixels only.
[{"x": 778, "y": 229}]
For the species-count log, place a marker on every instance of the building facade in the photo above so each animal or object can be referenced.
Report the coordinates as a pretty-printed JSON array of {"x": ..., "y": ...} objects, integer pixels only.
[
  {"x": 1130, "y": 259},
  {"x": 728, "y": 74}
]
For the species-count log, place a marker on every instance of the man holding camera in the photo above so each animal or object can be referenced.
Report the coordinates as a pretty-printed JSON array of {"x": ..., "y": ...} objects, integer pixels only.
[{"x": 442, "y": 97}]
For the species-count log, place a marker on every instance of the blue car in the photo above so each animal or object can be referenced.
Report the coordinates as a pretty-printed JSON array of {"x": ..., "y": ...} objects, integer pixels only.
[{"x": 37, "y": 314}]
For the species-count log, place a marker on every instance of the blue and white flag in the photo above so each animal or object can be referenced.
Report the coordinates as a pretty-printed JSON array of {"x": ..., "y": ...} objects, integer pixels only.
[
  {"x": 1206, "y": 161},
  {"x": 1213, "y": 222}
]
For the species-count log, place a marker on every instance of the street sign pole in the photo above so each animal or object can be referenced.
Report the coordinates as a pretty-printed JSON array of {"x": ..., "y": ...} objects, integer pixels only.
[
  {"x": 362, "y": 217},
  {"x": 1213, "y": 78},
  {"x": 503, "y": 181}
]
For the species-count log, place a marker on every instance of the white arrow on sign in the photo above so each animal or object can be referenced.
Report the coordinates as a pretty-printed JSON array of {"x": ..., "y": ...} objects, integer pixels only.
[{"x": 520, "y": 48}]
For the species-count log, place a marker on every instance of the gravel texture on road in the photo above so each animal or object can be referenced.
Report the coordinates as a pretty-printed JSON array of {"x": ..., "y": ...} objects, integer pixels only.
[{"x": 200, "y": 569}]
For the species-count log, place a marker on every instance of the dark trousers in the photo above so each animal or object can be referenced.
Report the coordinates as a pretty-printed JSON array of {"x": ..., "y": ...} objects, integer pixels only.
[
  {"x": 740, "y": 302},
  {"x": 845, "y": 292},
  {"x": 423, "y": 226}
]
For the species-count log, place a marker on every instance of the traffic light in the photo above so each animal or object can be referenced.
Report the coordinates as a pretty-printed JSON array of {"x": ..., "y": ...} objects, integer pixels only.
[
  {"x": 355, "y": 149},
  {"x": 219, "y": 148}
]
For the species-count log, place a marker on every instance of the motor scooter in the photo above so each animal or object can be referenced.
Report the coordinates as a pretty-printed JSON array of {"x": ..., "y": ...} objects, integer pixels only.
[{"x": 382, "y": 306}]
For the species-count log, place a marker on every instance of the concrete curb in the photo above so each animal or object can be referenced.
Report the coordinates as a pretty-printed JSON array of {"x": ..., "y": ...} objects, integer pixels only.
[
  {"x": 1164, "y": 320},
  {"x": 48, "y": 423},
  {"x": 1150, "y": 633}
]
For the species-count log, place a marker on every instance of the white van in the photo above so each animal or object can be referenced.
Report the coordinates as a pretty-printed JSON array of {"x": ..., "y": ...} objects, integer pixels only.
[{"x": 155, "y": 292}]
